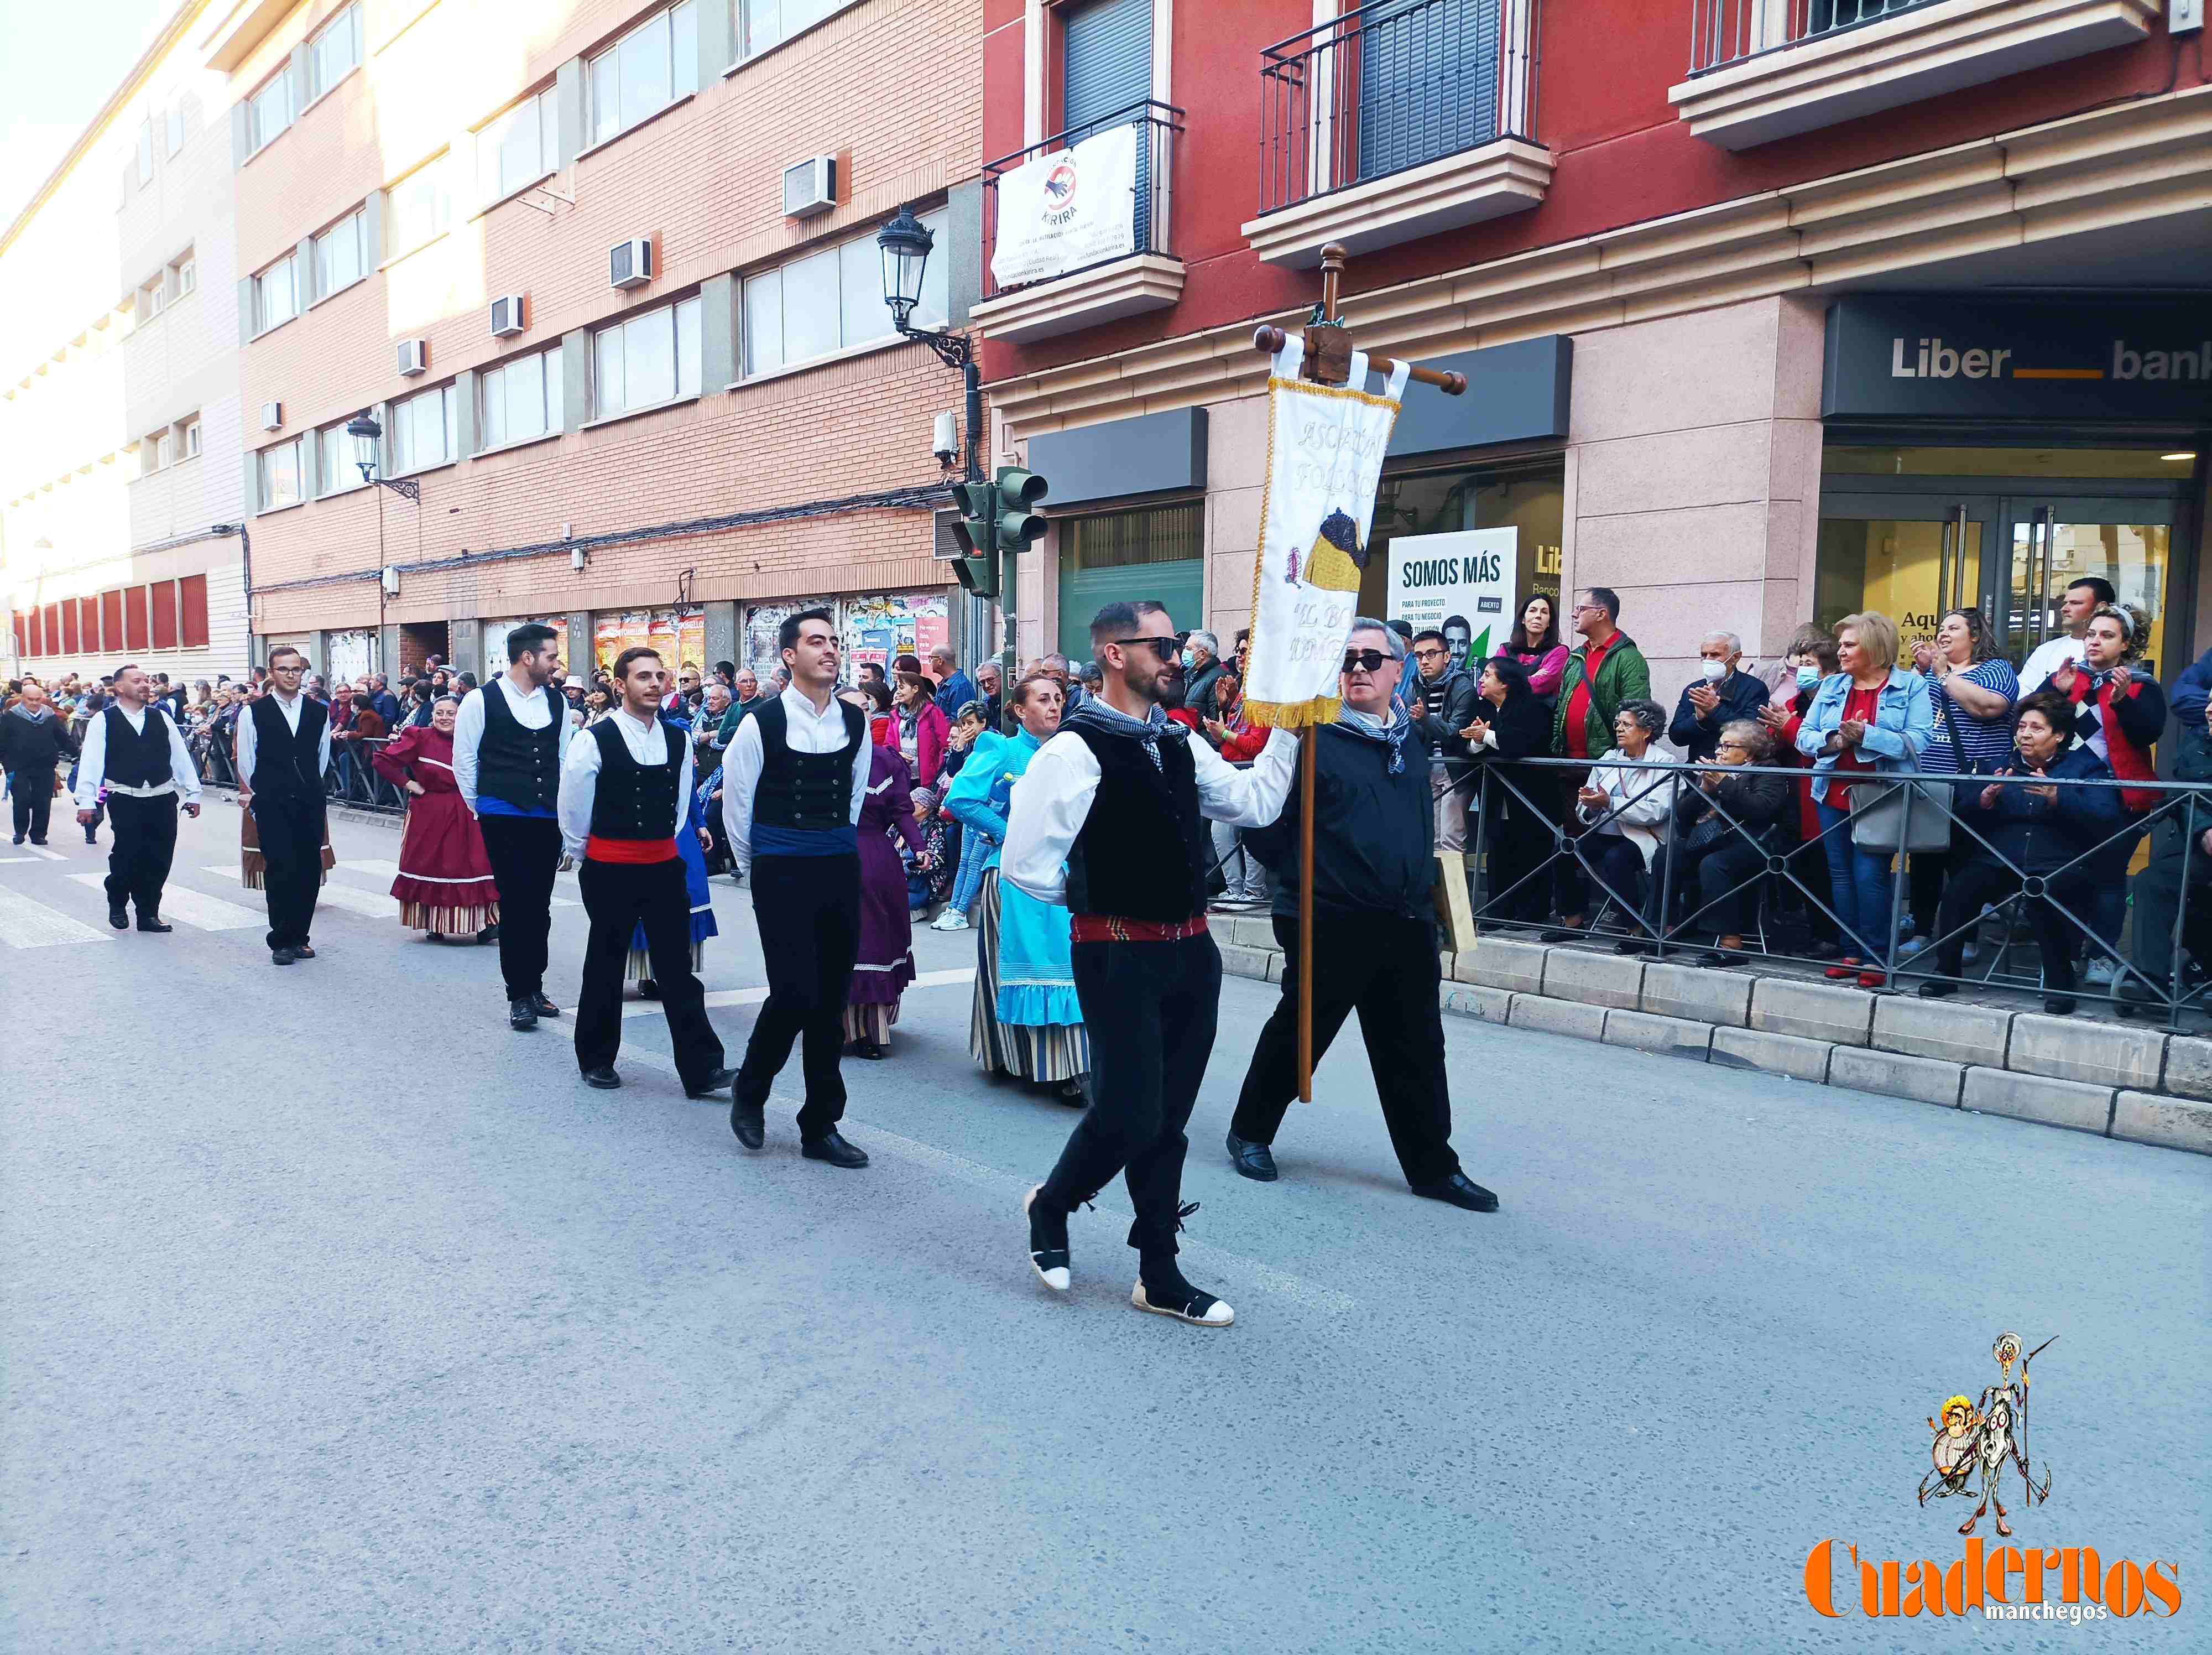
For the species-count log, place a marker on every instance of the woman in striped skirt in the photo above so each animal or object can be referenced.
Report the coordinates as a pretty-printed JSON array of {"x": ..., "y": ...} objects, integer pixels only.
[
  {"x": 1026, "y": 1021},
  {"x": 444, "y": 887}
]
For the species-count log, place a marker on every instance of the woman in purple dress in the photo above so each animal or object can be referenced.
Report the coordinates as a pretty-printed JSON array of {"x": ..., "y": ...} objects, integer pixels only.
[{"x": 884, "y": 963}]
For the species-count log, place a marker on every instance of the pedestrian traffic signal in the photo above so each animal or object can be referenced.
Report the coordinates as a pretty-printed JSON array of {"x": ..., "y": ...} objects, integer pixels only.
[
  {"x": 976, "y": 529},
  {"x": 1020, "y": 523}
]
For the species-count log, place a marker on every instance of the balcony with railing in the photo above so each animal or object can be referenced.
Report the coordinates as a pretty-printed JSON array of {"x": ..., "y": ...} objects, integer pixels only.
[
  {"x": 1762, "y": 69},
  {"x": 1395, "y": 121},
  {"x": 1079, "y": 228}
]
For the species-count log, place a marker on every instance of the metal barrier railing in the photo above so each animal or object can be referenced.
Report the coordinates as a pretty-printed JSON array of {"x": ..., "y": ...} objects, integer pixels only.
[{"x": 1724, "y": 32}]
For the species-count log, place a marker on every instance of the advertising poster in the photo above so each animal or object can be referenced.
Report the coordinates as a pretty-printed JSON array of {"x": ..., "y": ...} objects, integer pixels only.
[
  {"x": 495, "y": 642},
  {"x": 1068, "y": 210},
  {"x": 1462, "y": 584},
  {"x": 763, "y": 621}
]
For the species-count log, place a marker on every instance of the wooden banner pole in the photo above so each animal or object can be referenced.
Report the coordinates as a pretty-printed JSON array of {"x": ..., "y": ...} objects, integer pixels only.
[{"x": 1310, "y": 742}]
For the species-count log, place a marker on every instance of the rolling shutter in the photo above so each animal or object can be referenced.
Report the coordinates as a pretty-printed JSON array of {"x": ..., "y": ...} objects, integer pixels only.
[
  {"x": 1428, "y": 83},
  {"x": 1106, "y": 68}
]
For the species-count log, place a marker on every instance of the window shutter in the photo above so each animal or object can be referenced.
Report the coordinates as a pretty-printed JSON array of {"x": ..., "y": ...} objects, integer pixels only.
[
  {"x": 191, "y": 612},
  {"x": 134, "y": 617},
  {"x": 165, "y": 614},
  {"x": 111, "y": 618},
  {"x": 1428, "y": 83},
  {"x": 1107, "y": 66},
  {"x": 87, "y": 624},
  {"x": 69, "y": 640}
]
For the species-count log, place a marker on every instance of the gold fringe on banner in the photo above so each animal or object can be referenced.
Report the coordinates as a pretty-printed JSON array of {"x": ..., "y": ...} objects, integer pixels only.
[{"x": 1292, "y": 715}]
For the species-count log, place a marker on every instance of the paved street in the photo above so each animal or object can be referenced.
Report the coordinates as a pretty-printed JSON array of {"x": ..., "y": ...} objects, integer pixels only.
[{"x": 337, "y": 1316}]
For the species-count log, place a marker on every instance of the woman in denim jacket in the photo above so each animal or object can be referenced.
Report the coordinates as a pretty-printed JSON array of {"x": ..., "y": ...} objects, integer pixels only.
[{"x": 1872, "y": 717}]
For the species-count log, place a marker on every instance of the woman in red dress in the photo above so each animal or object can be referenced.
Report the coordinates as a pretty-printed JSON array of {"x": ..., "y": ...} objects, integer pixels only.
[{"x": 444, "y": 884}]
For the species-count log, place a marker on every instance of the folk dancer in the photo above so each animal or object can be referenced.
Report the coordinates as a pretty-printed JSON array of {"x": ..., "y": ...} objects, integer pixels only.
[
  {"x": 1109, "y": 818},
  {"x": 283, "y": 751},
  {"x": 444, "y": 886},
  {"x": 136, "y": 752},
  {"x": 883, "y": 959}
]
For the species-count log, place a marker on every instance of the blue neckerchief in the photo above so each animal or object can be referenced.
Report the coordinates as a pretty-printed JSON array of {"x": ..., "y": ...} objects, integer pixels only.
[
  {"x": 1149, "y": 730},
  {"x": 1371, "y": 729}
]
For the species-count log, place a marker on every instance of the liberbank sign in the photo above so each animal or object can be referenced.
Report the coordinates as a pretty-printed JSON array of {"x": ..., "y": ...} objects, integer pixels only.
[{"x": 2063, "y": 357}]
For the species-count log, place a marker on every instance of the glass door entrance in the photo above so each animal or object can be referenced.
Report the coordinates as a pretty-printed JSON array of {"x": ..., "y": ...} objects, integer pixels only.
[
  {"x": 1912, "y": 559},
  {"x": 2056, "y": 542}
]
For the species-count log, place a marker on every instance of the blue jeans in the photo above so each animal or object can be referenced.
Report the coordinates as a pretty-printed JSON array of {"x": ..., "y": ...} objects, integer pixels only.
[
  {"x": 1861, "y": 887},
  {"x": 968, "y": 880}
]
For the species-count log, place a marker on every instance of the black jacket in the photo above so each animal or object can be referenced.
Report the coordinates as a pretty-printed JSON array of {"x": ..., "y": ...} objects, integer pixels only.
[
  {"x": 1198, "y": 696},
  {"x": 1751, "y": 804},
  {"x": 29, "y": 744},
  {"x": 2038, "y": 836},
  {"x": 1742, "y": 696},
  {"x": 1374, "y": 832},
  {"x": 1456, "y": 708}
]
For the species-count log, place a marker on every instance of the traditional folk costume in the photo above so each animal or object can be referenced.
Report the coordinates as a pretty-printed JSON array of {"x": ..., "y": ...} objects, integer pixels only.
[
  {"x": 793, "y": 786},
  {"x": 625, "y": 790},
  {"x": 1027, "y": 1020},
  {"x": 637, "y": 966},
  {"x": 139, "y": 756},
  {"x": 1110, "y": 818},
  {"x": 883, "y": 961},
  {"x": 444, "y": 884},
  {"x": 283, "y": 749},
  {"x": 509, "y": 747}
]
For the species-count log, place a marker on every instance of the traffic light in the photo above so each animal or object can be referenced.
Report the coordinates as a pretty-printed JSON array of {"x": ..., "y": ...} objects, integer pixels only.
[
  {"x": 1020, "y": 523},
  {"x": 977, "y": 567}
]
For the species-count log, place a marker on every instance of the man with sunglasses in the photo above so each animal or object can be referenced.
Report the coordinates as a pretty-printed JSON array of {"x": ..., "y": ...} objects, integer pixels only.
[
  {"x": 1110, "y": 820},
  {"x": 1375, "y": 940}
]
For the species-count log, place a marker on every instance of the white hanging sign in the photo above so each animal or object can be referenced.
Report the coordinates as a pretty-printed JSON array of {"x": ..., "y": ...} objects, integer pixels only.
[{"x": 1068, "y": 210}]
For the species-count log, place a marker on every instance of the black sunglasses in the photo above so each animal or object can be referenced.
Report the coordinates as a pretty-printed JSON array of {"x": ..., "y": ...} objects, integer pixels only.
[
  {"x": 1372, "y": 659},
  {"x": 1165, "y": 649}
]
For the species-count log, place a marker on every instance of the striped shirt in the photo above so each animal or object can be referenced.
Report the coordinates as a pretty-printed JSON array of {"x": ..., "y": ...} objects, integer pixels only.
[{"x": 1988, "y": 741}]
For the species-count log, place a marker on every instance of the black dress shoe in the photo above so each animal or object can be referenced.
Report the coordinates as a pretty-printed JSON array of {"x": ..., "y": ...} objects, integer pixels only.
[
  {"x": 303, "y": 951},
  {"x": 490, "y": 933},
  {"x": 1718, "y": 959},
  {"x": 716, "y": 1080},
  {"x": 1936, "y": 989},
  {"x": 2061, "y": 1005},
  {"x": 118, "y": 916},
  {"x": 869, "y": 1049},
  {"x": 834, "y": 1150},
  {"x": 1255, "y": 1161},
  {"x": 745, "y": 1121},
  {"x": 1563, "y": 933},
  {"x": 41, "y": 842},
  {"x": 602, "y": 1077},
  {"x": 91, "y": 837},
  {"x": 542, "y": 1005},
  {"x": 18, "y": 838},
  {"x": 282, "y": 957},
  {"x": 648, "y": 989},
  {"x": 153, "y": 923},
  {"x": 1461, "y": 1191},
  {"x": 520, "y": 1015}
]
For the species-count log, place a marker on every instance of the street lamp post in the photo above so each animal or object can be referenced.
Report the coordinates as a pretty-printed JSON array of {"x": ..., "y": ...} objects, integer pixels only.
[
  {"x": 905, "y": 244},
  {"x": 367, "y": 436}
]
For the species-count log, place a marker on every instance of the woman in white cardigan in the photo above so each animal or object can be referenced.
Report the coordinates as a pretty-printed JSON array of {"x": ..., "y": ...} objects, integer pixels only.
[{"x": 1625, "y": 804}]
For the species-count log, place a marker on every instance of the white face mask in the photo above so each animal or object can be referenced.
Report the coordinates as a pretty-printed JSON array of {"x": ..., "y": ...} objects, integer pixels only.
[{"x": 1716, "y": 671}]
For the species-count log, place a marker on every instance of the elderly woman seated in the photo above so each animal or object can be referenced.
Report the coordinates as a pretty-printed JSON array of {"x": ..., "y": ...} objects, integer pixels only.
[
  {"x": 1724, "y": 830},
  {"x": 1623, "y": 806}
]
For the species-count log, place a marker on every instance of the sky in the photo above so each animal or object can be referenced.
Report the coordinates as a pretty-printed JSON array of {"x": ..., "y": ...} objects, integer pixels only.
[{"x": 59, "y": 59}]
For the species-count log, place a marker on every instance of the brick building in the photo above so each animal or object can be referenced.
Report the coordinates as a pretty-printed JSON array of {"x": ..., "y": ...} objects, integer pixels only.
[
  {"x": 1728, "y": 278},
  {"x": 628, "y": 343}
]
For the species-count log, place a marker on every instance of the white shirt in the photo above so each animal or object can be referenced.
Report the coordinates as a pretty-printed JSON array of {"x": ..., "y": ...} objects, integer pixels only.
[
  {"x": 531, "y": 711},
  {"x": 2045, "y": 658},
  {"x": 290, "y": 709},
  {"x": 92, "y": 762},
  {"x": 805, "y": 731},
  {"x": 580, "y": 777},
  {"x": 1052, "y": 801}
]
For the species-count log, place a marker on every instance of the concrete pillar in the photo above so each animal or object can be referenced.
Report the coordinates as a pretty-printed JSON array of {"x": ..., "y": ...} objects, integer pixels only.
[
  {"x": 466, "y": 639},
  {"x": 721, "y": 635},
  {"x": 580, "y": 644},
  {"x": 388, "y": 655}
]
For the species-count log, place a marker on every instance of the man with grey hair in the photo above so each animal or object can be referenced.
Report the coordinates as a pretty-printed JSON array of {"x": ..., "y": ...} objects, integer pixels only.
[
  {"x": 1720, "y": 694},
  {"x": 1201, "y": 670}
]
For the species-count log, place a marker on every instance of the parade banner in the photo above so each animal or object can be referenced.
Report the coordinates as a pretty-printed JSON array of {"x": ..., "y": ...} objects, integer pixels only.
[
  {"x": 1460, "y": 584},
  {"x": 1068, "y": 210},
  {"x": 1325, "y": 446}
]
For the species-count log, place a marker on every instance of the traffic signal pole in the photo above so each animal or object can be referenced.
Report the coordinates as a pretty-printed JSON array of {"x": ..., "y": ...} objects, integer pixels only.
[{"x": 971, "y": 378}]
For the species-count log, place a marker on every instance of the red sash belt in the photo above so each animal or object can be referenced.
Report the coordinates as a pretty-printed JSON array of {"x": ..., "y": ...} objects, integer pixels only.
[
  {"x": 1112, "y": 928},
  {"x": 596, "y": 849}
]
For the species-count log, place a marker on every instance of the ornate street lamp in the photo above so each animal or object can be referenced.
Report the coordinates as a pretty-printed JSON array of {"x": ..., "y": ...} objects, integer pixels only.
[{"x": 367, "y": 434}]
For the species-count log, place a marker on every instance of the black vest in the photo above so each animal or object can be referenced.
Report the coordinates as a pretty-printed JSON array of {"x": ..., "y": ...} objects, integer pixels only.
[
  {"x": 1143, "y": 852},
  {"x": 288, "y": 764},
  {"x": 635, "y": 800},
  {"x": 810, "y": 792},
  {"x": 139, "y": 758},
  {"x": 517, "y": 765}
]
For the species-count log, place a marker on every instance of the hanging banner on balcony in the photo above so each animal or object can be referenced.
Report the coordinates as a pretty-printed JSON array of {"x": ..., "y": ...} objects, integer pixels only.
[
  {"x": 1068, "y": 210},
  {"x": 1325, "y": 446}
]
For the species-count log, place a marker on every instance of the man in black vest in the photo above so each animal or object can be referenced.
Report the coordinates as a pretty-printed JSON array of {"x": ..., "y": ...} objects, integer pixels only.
[
  {"x": 1375, "y": 938},
  {"x": 624, "y": 786},
  {"x": 510, "y": 738},
  {"x": 1110, "y": 820},
  {"x": 791, "y": 791},
  {"x": 283, "y": 751},
  {"x": 139, "y": 754}
]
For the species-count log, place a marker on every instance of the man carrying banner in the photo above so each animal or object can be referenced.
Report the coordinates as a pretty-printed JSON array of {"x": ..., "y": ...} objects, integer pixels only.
[{"x": 1109, "y": 820}]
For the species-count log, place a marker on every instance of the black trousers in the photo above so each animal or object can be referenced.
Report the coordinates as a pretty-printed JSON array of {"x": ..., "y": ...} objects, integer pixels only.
[
  {"x": 30, "y": 794},
  {"x": 809, "y": 911},
  {"x": 145, "y": 845},
  {"x": 1978, "y": 879},
  {"x": 525, "y": 854},
  {"x": 2159, "y": 896},
  {"x": 620, "y": 896},
  {"x": 1384, "y": 967},
  {"x": 1715, "y": 885},
  {"x": 1516, "y": 838},
  {"x": 291, "y": 829},
  {"x": 1149, "y": 1009}
]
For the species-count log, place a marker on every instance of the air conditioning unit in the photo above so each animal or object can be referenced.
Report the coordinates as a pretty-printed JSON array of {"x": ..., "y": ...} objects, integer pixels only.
[
  {"x": 414, "y": 357},
  {"x": 811, "y": 187},
  {"x": 507, "y": 316},
  {"x": 629, "y": 264},
  {"x": 272, "y": 416}
]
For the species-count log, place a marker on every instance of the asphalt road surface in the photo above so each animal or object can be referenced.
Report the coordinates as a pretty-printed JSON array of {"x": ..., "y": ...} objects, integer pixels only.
[{"x": 336, "y": 1316}]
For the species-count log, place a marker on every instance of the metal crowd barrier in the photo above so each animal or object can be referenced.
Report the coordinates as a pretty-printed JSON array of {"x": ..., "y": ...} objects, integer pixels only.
[{"x": 1790, "y": 878}]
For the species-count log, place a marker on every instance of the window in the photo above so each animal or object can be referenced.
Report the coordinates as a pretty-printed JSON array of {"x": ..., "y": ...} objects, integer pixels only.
[
  {"x": 151, "y": 298},
  {"x": 279, "y": 470},
  {"x": 191, "y": 439},
  {"x": 831, "y": 301},
  {"x": 145, "y": 154},
  {"x": 165, "y": 451},
  {"x": 274, "y": 300},
  {"x": 175, "y": 122},
  {"x": 149, "y": 457},
  {"x": 421, "y": 207},
  {"x": 520, "y": 399},
  {"x": 519, "y": 147},
  {"x": 645, "y": 70},
  {"x": 335, "y": 53},
  {"x": 769, "y": 22},
  {"x": 188, "y": 275},
  {"x": 649, "y": 359},
  {"x": 192, "y": 611},
  {"x": 268, "y": 111},
  {"x": 422, "y": 430},
  {"x": 339, "y": 254},
  {"x": 163, "y": 594},
  {"x": 134, "y": 617},
  {"x": 338, "y": 472}
]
